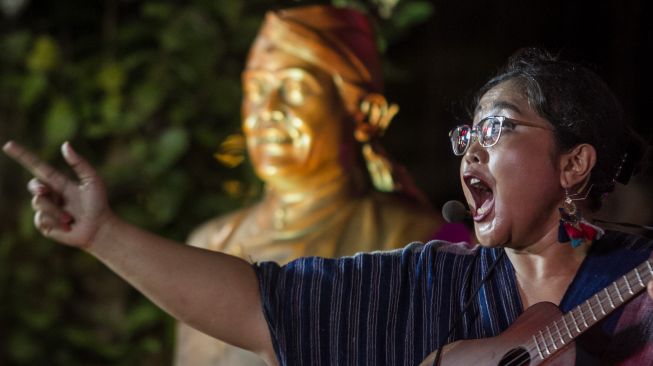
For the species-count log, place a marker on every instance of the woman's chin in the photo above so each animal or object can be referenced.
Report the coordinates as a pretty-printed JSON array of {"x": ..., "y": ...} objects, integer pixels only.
[{"x": 490, "y": 236}]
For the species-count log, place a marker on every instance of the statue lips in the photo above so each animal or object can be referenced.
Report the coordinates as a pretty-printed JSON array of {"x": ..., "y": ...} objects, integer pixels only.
[{"x": 272, "y": 141}]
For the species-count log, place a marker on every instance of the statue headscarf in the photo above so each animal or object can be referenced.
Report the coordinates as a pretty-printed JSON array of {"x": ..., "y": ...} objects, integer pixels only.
[{"x": 341, "y": 41}]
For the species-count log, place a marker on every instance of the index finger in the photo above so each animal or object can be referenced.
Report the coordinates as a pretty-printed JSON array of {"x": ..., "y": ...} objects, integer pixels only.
[{"x": 40, "y": 169}]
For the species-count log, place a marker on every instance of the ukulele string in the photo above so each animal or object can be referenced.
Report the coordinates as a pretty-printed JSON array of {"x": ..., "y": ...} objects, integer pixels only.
[{"x": 522, "y": 359}]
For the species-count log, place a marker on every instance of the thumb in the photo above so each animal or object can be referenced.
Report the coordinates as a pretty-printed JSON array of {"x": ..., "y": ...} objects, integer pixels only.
[{"x": 82, "y": 168}]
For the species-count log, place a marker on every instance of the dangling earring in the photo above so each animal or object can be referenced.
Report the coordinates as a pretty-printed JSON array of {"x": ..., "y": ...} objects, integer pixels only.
[{"x": 573, "y": 228}]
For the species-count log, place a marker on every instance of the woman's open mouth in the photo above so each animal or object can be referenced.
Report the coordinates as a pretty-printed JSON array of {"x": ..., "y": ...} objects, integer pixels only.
[{"x": 483, "y": 197}]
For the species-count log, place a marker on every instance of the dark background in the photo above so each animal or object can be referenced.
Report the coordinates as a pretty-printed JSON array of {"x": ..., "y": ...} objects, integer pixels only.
[
  {"x": 447, "y": 58},
  {"x": 148, "y": 90}
]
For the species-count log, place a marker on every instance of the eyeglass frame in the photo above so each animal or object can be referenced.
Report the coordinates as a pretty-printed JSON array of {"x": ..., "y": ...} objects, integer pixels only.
[{"x": 473, "y": 130}]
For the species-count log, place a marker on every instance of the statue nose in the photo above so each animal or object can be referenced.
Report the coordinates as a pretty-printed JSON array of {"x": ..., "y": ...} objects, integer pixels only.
[{"x": 272, "y": 100}]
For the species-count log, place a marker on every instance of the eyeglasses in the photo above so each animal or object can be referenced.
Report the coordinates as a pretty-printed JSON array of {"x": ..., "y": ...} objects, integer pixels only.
[{"x": 487, "y": 131}]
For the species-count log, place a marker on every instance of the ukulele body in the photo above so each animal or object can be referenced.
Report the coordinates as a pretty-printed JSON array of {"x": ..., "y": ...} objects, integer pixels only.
[{"x": 508, "y": 347}]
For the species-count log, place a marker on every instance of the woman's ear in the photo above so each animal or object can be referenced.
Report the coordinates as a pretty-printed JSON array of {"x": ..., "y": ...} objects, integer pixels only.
[{"x": 576, "y": 165}]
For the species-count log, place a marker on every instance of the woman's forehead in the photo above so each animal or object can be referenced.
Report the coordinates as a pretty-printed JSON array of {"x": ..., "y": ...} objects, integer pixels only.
[{"x": 507, "y": 96}]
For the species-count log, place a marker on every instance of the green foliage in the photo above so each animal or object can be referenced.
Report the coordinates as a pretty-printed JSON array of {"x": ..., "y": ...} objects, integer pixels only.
[{"x": 147, "y": 91}]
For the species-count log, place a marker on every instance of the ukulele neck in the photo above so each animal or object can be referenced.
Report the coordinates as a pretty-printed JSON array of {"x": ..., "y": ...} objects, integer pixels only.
[{"x": 569, "y": 326}]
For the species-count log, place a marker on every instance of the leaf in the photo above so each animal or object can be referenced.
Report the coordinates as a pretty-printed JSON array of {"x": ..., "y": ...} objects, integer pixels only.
[
  {"x": 110, "y": 108},
  {"x": 111, "y": 78},
  {"x": 60, "y": 123},
  {"x": 412, "y": 13},
  {"x": 146, "y": 98},
  {"x": 40, "y": 318},
  {"x": 26, "y": 222},
  {"x": 164, "y": 199},
  {"x": 142, "y": 315},
  {"x": 151, "y": 345},
  {"x": 44, "y": 55},
  {"x": 34, "y": 86},
  {"x": 171, "y": 145},
  {"x": 157, "y": 10}
]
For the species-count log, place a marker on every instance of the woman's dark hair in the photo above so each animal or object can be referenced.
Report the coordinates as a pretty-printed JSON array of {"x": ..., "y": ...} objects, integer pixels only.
[{"x": 582, "y": 109}]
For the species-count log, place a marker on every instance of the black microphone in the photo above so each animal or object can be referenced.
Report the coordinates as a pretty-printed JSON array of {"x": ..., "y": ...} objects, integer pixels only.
[{"x": 455, "y": 211}]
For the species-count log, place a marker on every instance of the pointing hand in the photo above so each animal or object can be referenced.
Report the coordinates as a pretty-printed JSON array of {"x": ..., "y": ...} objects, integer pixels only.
[{"x": 69, "y": 211}]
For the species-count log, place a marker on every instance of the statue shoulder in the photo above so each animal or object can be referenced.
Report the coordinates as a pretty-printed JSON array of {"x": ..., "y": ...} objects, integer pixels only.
[
  {"x": 404, "y": 219},
  {"x": 213, "y": 233},
  {"x": 391, "y": 204}
]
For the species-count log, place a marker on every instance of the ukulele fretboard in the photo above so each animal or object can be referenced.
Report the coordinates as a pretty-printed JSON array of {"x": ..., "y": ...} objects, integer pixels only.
[{"x": 566, "y": 328}]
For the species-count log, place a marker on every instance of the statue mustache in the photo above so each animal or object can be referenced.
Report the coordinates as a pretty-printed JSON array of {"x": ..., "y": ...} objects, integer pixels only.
[
  {"x": 272, "y": 119},
  {"x": 273, "y": 127}
]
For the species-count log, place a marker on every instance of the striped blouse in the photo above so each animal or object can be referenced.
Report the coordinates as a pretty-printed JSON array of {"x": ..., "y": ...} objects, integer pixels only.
[{"x": 395, "y": 308}]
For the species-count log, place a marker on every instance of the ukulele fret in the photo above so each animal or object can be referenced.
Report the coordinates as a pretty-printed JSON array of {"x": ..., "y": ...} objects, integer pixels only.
[
  {"x": 582, "y": 316},
  {"x": 553, "y": 342},
  {"x": 600, "y": 302},
  {"x": 639, "y": 278},
  {"x": 591, "y": 311},
  {"x": 564, "y": 321},
  {"x": 630, "y": 289},
  {"x": 607, "y": 294},
  {"x": 618, "y": 292},
  {"x": 537, "y": 345},
  {"x": 560, "y": 336},
  {"x": 571, "y": 313},
  {"x": 546, "y": 348}
]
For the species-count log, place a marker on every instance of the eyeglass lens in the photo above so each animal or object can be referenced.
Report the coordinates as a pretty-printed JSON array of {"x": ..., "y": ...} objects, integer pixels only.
[{"x": 487, "y": 131}]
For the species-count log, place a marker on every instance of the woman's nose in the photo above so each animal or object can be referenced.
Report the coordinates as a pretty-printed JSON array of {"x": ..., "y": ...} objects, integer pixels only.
[{"x": 475, "y": 152}]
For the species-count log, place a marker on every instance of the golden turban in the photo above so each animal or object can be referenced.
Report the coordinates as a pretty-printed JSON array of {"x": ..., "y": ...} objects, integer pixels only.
[{"x": 338, "y": 40}]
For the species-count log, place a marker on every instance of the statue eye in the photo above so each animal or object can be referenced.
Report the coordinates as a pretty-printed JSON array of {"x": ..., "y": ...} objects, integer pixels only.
[
  {"x": 253, "y": 90},
  {"x": 294, "y": 91}
]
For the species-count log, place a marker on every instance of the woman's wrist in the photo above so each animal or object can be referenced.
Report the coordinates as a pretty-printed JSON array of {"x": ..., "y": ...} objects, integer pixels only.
[{"x": 107, "y": 228}]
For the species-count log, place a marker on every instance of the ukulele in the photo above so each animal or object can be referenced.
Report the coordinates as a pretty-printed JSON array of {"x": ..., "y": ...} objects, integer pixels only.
[{"x": 543, "y": 335}]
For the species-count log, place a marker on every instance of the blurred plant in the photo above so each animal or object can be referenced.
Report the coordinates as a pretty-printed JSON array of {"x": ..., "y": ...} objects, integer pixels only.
[{"x": 147, "y": 91}]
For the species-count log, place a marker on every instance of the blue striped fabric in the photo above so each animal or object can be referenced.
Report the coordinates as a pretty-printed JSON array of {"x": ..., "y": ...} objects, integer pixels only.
[
  {"x": 390, "y": 308},
  {"x": 383, "y": 308}
]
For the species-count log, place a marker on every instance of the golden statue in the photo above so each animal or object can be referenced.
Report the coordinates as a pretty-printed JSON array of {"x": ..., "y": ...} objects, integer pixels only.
[{"x": 312, "y": 113}]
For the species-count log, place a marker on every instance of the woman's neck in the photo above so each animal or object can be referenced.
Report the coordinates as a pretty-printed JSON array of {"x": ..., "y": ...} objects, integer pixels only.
[
  {"x": 544, "y": 270},
  {"x": 546, "y": 256}
]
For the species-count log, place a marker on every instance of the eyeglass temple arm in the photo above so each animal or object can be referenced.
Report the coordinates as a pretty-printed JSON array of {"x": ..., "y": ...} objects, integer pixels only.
[{"x": 624, "y": 224}]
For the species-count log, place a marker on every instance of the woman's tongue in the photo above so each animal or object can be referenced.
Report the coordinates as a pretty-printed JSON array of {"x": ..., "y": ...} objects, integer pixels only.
[{"x": 484, "y": 200}]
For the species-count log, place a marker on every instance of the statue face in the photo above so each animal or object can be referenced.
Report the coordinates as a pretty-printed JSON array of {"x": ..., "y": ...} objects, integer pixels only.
[{"x": 292, "y": 116}]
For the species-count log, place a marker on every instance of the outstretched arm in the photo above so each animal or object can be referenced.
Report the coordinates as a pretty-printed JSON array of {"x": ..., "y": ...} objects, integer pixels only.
[{"x": 213, "y": 292}]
